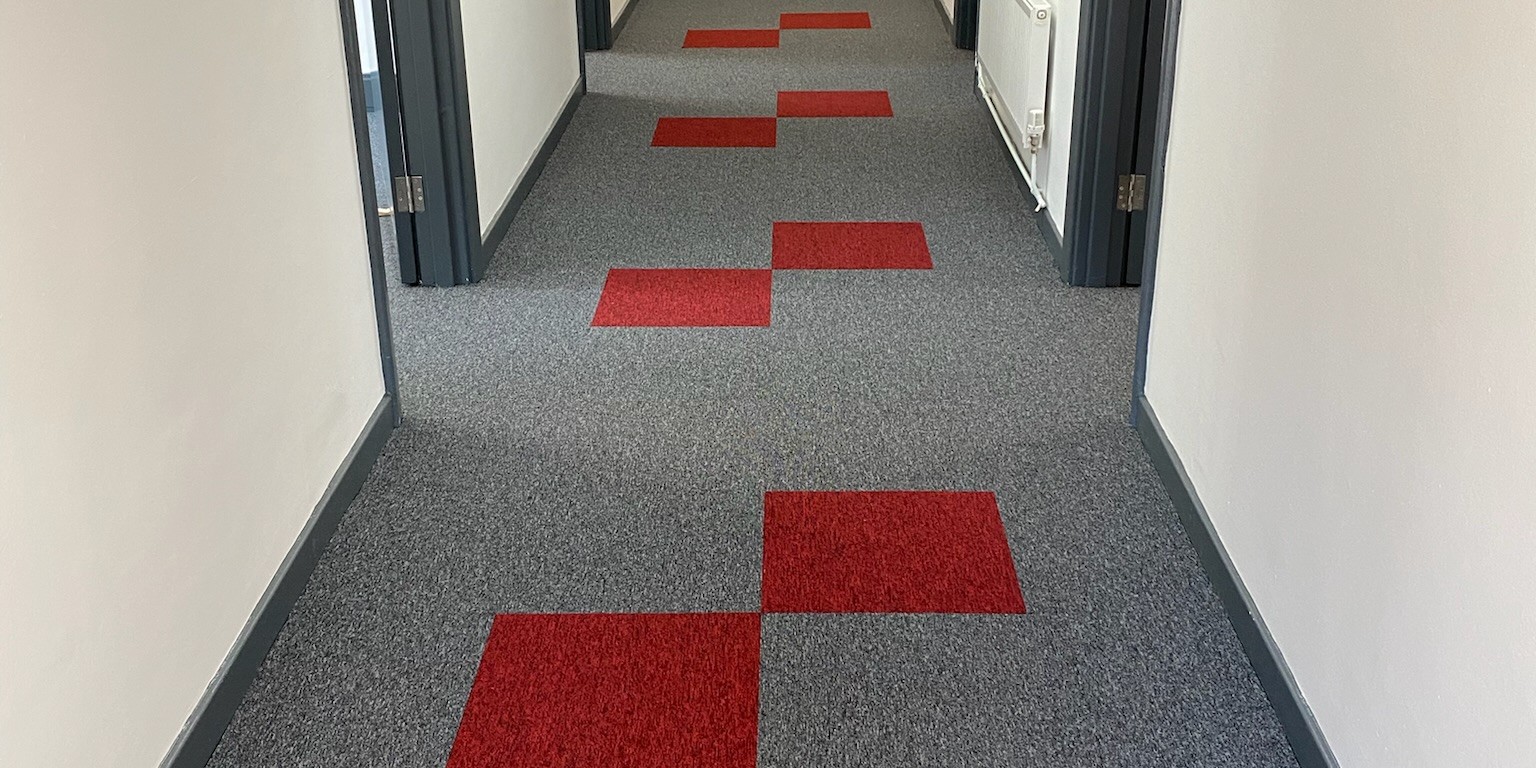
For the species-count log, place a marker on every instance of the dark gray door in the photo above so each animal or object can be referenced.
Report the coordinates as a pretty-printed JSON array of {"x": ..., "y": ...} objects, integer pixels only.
[
  {"x": 426, "y": 106},
  {"x": 595, "y": 19},
  {"x": 1113, "y": 120},
  {"x": 386, "y": 138}
]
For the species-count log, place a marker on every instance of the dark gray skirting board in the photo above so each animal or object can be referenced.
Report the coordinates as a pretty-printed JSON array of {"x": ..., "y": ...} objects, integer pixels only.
[
  {"x": 205, "y": 728},
  {"x": 1301, "y": 728},
  {"x": 530, "y": 177}
]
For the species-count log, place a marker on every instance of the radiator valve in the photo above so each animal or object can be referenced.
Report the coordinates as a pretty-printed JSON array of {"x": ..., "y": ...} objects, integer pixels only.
[{"x": 1034, "y": 129}]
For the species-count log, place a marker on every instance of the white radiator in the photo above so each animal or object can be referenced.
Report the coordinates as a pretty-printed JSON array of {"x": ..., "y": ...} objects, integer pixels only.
[{"x": 1013, "y": 60}]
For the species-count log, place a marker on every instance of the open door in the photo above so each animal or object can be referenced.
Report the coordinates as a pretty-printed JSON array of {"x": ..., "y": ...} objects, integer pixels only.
[
  {"x": 1128, "y": 241},
  {"x": 419, "y": 123},
  {"x": 595, "y": 19},
  {"x": 964, "y": 26},
  {"x": 386, "y": 141},
  {"x": 1113, "y": 130}
]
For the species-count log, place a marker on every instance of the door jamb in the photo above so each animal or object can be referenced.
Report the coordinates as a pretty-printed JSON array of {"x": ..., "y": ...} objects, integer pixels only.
[
  {"x": 1095, "y": 159},
  {"x": 470, "y": 257},
  {"x": 1156, "y": 178},
  {"x": 964, "y": 28},
  {"x": 394, "y": 138},
  {"x": 596, "y": 22},
  {"x": 435, "y": 118},
  {"x": 372, "y": 221}
]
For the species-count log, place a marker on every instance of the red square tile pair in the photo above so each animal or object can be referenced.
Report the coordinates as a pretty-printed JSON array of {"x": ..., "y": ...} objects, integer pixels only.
[
  {"x": 763, "y": 131},
  {"x": 769, "y": 38},
  {"x": 681, "y": 690},
  {"x": 671, "y": 298}
]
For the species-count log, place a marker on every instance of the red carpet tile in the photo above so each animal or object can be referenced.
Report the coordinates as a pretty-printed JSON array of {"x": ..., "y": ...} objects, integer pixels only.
[
  {"x": 834, "y": 104},
  {"x": 603, "y": 690},
  {"x": 731, "y": 38},
  {"x": 886, "y": 552},
  {"x": 716, "y": 132},
  {"x": 661, "y": 298},
  {"x": 824, "y": 20},
  {"x": 850, "y": 245}
]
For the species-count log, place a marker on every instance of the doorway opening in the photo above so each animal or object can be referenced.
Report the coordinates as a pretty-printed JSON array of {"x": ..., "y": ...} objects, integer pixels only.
[
  {"x": 408, "y": 64},
  {"x": 1120, "y": 57}
]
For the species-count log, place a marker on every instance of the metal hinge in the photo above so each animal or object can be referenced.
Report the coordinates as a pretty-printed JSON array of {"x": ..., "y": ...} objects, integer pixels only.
[
  {"x": 410, "y": 195},
  {"x": 1132, "y": 193}
]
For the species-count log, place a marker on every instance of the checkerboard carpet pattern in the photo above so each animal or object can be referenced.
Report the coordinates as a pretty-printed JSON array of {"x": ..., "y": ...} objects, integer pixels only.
[{"x": 771, "y": 439}]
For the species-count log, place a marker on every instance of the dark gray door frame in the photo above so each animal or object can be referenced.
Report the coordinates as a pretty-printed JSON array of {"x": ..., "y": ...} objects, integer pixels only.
[
  {"x": 394, "y": 149},
  {"x": 596, "y": 26},
  {"x": 1112, "y": 124},
  {"x": 370, "y": 205},
  {"x": 428, "y": 40},
  {"x": 967, "y": 12},
  {"x": 596, "y": 20},
  {"x": 1165, "y": 72}
]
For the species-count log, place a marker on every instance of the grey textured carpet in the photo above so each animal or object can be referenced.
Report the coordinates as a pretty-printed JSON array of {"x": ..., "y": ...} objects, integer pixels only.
[{"x": 549, "y": 466}]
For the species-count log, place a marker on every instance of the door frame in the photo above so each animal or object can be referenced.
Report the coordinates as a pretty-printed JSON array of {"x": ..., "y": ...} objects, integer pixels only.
[
  {"x": 372, "y": 220},
  {"x": 964, "y": 26},
  {"x": 433, "y": 98},
  {"x": 1165, "y": 71},
  {"x": 1116, "y": 94},
  {"x": 595, "y": 19},
  {"x": 394, "y": 150},
  {"x": 597, "y": 27}
]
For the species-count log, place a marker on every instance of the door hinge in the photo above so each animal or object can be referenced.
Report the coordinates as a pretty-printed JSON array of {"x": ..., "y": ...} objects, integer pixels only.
[
  {"x": 1132, "y": 193},
  {"x": 410, "y": 195}
]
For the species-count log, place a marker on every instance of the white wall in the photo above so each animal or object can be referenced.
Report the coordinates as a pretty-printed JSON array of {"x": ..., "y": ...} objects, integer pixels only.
[
  {"x": 1343, "y": 352},
  {"x": 522, "y": 63},
  {"x": 187, "y": 348},
  {"x": 616, "y": 8}
]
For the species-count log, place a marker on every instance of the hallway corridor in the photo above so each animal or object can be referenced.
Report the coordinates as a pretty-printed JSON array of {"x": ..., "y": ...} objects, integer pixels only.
[{"x": 548, "y": 466}]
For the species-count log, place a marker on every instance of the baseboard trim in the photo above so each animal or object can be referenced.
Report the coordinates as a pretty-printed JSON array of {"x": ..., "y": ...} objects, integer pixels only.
[
  {"x": 1296, "y": 718},
  {"x": 204, "y": 730},
  {"x": 618, "y": 25},
  {"x": 949, "y": 24},
  {"x": 1053, "y": 242},
  {"x": 514, "y": 201}
]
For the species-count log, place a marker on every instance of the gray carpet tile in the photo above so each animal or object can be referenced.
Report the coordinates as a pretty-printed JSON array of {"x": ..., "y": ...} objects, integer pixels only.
[
  {"x": 545, "y": 465},
  {"x": 873, "y": 690}
]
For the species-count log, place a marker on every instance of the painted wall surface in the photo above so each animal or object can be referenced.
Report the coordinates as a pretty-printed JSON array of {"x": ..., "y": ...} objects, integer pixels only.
[
  {"x": 616, "y": 8},
  {"x": 1056, "y": 146},
  {"x": 1343, "y": 352},
  {"x": 187, "y": 349},
  {"x": 522, "y": 62}
]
